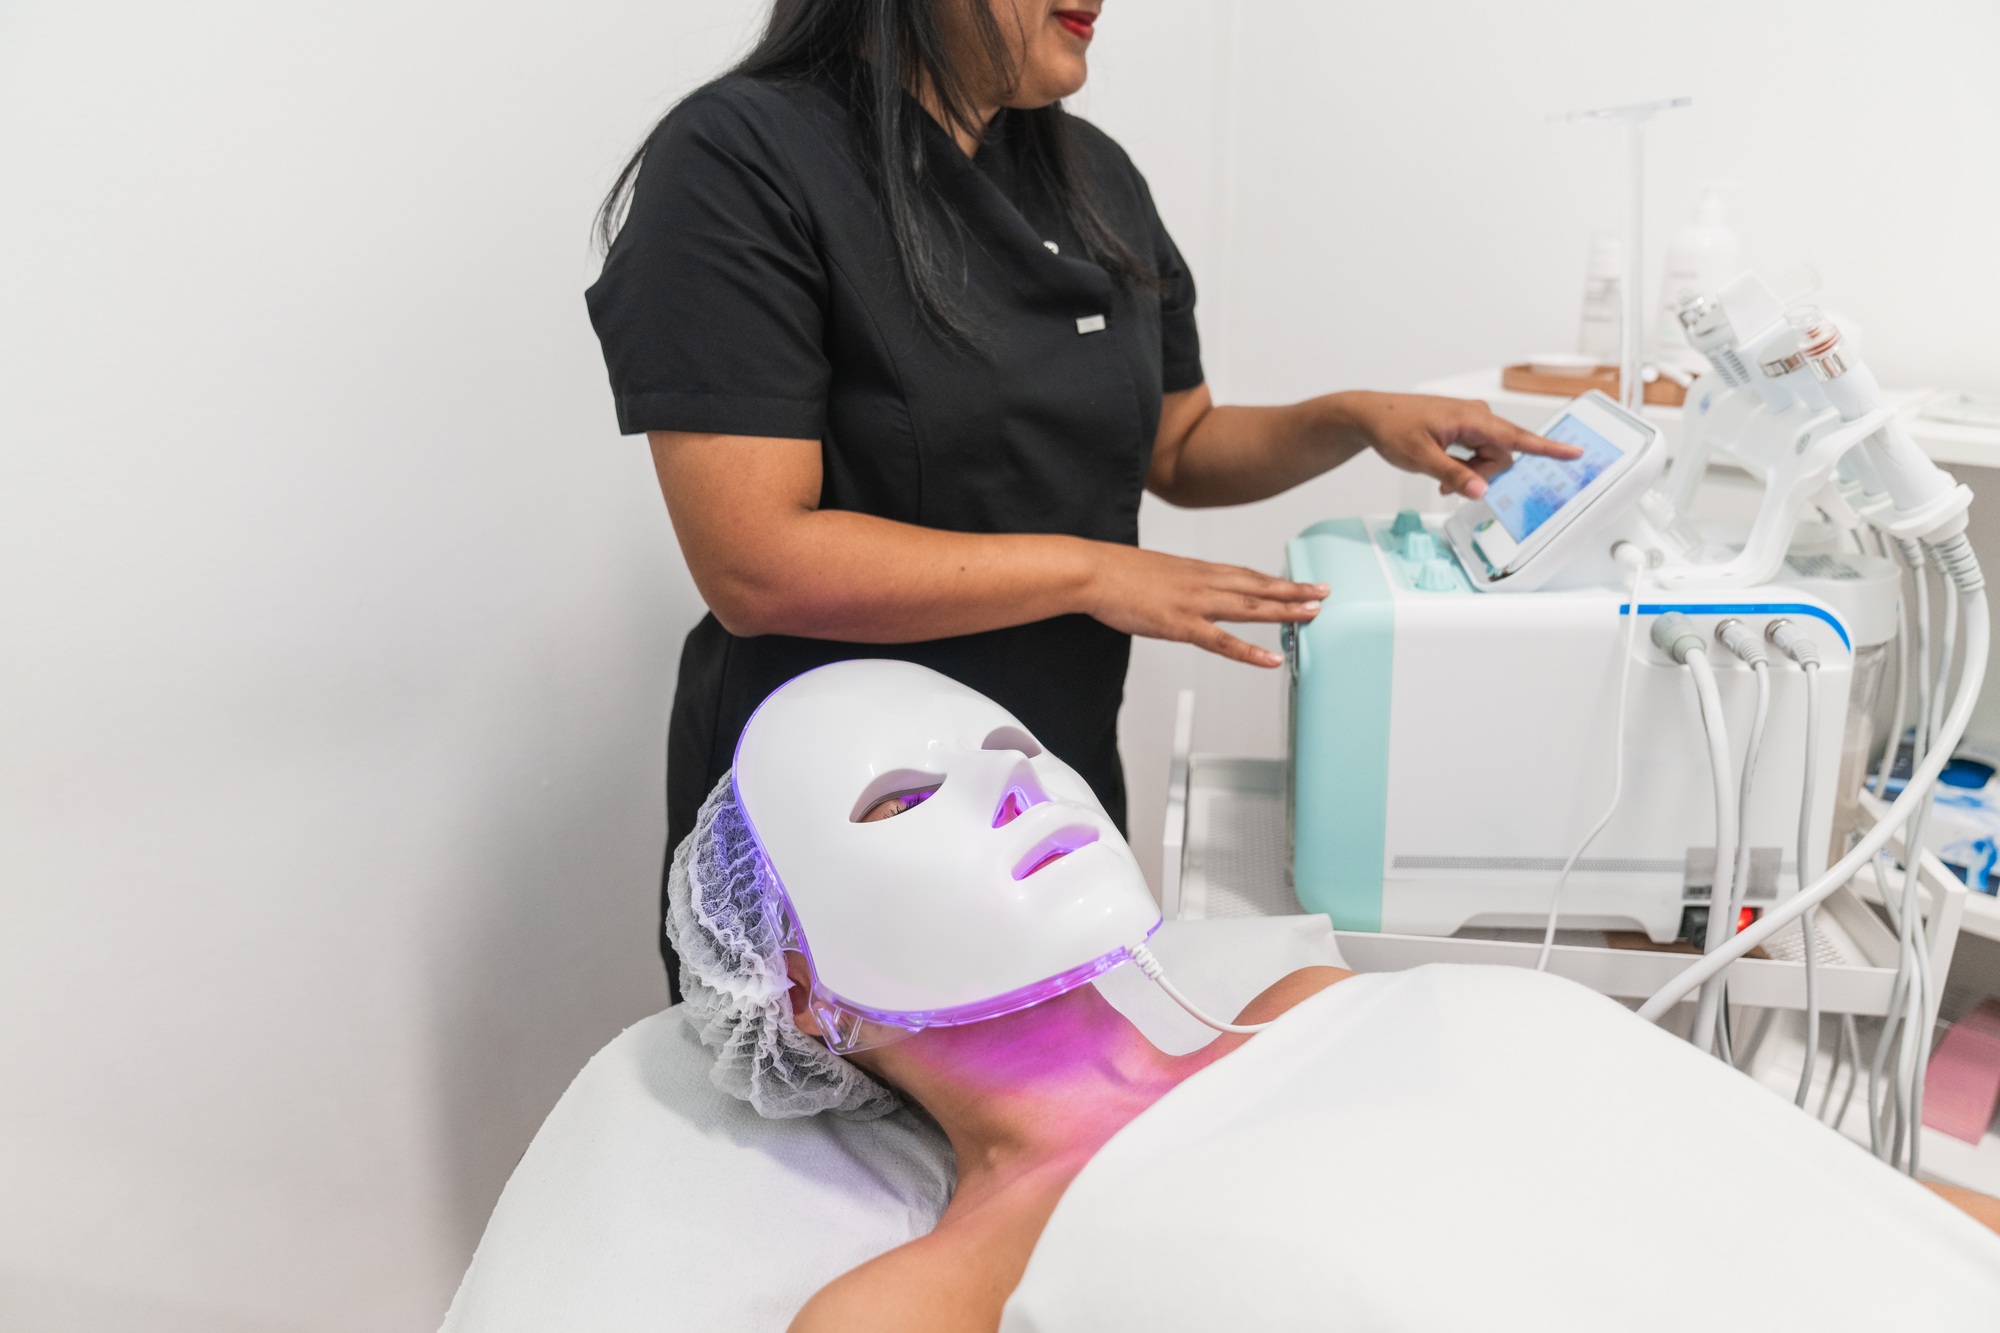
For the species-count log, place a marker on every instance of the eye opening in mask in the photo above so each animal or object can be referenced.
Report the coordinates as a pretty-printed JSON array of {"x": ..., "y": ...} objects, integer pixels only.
[
  {"x": 1011, "y": 738},
  {"x": 893, "y": 793}
]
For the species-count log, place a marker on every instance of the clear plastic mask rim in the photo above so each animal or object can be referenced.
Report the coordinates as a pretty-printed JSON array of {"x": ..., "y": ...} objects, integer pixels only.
[
  {"x": 848, "y": 1027},
  {"x": 851, "y": 1027}
]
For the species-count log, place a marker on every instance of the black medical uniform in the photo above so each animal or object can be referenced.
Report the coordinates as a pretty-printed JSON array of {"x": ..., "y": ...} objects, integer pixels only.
[{"x": 755, "y": 289}]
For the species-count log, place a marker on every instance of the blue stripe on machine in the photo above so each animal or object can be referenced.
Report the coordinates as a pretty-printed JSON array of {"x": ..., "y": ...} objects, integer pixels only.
[{"x": 1742, "y": 609}]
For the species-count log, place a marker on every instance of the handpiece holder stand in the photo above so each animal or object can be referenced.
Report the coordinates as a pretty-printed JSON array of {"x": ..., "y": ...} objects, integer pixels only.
[{"x": 1794, "y": 452}]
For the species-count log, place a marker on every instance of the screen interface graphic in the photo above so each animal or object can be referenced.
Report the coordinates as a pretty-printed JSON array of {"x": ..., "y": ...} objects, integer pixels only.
[{"x": 1528, "y": 493}]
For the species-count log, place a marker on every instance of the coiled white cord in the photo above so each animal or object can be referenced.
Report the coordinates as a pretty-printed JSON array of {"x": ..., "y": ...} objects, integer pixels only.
[{"x": 1150, "y": 965}]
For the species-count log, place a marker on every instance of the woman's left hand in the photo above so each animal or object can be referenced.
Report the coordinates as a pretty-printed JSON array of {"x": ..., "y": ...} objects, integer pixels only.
[{"x": 1414, "y": 430}]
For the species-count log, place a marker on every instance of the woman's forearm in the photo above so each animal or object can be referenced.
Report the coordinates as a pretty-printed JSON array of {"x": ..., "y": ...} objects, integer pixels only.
[
  {"x": 769, "y": 560},
  {"x": 1208, "y": 455},
  {"x": 831, "y": 574},
  {"x": 1233, "y": 455}
]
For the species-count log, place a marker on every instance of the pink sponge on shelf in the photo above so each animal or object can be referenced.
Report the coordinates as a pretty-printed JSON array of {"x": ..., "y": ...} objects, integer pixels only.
[{"x": 1962, "y": 1086}]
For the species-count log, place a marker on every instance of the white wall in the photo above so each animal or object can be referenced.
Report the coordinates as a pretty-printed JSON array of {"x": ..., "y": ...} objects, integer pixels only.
[{"x": 337, "y": 624}]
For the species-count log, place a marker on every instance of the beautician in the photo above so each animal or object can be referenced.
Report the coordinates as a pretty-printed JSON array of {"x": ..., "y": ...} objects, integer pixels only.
[{"x": 907, "y": 341}]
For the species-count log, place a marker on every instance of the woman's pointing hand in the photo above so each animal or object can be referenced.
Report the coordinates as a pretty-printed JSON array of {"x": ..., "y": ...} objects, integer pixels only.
[{"x": 1413, "y": 431}]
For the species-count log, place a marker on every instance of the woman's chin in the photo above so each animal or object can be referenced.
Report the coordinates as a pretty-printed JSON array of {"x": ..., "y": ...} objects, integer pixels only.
[{"x": 1050, "y": 81}]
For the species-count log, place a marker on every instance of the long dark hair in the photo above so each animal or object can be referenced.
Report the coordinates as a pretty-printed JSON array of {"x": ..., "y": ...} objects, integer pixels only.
[{"x": 829, "y": 40}]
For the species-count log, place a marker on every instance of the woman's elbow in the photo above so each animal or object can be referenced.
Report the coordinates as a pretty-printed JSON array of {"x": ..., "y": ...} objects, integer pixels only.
[
  {"x": 748, "y": 612},
  {"x": 750, "y": 605}
]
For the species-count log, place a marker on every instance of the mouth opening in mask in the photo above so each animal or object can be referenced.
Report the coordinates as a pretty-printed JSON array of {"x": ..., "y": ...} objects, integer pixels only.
[{"x": 1054, "y": 848}]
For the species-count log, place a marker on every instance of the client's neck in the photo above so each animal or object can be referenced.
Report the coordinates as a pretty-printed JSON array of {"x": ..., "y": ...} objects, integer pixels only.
[{"x": 1040, "y": 1087}]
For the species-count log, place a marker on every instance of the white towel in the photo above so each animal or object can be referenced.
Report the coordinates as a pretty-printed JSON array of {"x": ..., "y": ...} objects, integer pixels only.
[{"x": 1455, "y": 1148}]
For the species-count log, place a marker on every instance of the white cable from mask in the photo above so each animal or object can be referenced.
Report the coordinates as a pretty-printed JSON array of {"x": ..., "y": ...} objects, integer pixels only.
[
  {"x": 1630, "y": 555},
  {"x": 1963, "y": 566},
  {"x": 1150, "y": 965}
]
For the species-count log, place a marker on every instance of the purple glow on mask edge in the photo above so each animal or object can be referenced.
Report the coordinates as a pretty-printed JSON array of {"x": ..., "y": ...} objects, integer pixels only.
[{"x": 914, "y": 1020}]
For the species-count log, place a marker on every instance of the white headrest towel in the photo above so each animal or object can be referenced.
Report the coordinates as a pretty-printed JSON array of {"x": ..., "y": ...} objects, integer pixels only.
[
  {"x": 651, "y": 1202},
  {"x": 1458, "y": 1148}
]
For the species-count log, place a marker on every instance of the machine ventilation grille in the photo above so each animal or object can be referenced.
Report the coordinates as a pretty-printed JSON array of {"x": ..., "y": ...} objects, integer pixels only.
[
  {"x": 1617, "y": 865},
  {"x": 1821, "y": 567}
]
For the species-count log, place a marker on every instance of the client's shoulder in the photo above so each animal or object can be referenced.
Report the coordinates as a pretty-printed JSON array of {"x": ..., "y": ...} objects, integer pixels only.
[
  {"x": 953, "y": 1280},
  {"x": 1290, "y": 991},
  {"x": 888, "y": 1293}
]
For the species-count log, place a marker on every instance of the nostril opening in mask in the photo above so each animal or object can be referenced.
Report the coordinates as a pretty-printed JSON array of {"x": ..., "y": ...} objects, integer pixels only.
[
  {"x": 1012, "y": 806},
  {"x": 1054, "y": 848},
  {"x": 1011, "y": 738}
]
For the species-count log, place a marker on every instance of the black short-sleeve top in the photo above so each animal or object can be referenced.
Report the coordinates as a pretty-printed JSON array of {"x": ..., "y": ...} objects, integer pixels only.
[{"x": 755, "y": 289}]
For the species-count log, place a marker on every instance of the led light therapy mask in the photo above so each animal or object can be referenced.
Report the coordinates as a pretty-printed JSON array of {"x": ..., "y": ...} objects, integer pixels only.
[{"x": 999, "y": 881}]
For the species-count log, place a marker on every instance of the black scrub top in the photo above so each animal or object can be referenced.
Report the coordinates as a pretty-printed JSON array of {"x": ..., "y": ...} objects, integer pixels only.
[{"x": 755, "y": 289}]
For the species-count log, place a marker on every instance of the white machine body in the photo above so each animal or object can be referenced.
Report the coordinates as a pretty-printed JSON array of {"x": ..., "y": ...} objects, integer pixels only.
[
  {"x": 1451, "y": 747},
  {"x": 1455, "y": 715}
]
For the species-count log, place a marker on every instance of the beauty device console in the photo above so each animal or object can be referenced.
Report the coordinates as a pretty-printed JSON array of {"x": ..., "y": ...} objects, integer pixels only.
[{"x": 1456, "y": 705}]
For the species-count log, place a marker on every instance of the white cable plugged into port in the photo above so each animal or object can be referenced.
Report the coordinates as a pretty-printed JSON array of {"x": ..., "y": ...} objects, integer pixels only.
[
  {"x": 1636, "y": 560},
  {"x": 1676, "y": 636},
  {"x": 1150, "y": 965},
  {"x": 1787, "y": 639},
  {"x": 1956, "y": 556},
  {"x": 1734, "y": 635}
]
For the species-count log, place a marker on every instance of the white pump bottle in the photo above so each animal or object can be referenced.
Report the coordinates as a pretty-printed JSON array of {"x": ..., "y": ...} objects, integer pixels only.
[{"x": 1704, "y": 255}]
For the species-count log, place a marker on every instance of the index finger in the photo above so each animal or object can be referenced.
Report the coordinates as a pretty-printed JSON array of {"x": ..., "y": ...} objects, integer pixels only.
[
  {"x": 1256, "y": 583},
  {"x": 1527, "y": 442},
  {"x": 1497, "y": 430}
]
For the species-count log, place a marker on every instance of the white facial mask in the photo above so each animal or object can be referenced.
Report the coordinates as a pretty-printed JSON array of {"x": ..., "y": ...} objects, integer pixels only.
[{"x": 1004, "y": 885}]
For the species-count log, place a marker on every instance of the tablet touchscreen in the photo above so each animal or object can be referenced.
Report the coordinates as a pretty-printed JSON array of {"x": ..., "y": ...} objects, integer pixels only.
[{"x": 1532, "y": 491}]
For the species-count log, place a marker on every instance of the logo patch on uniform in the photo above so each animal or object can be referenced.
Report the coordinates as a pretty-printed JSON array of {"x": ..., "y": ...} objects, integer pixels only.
[{"x": 1090, "y": 324}]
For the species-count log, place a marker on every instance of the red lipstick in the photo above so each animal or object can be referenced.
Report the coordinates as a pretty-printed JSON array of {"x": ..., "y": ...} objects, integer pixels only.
[{"x": 1078, "y": 21}]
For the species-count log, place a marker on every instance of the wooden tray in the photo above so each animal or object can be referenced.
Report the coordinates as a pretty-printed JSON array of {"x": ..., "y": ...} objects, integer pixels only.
[{"x": 1662, "y": 392}]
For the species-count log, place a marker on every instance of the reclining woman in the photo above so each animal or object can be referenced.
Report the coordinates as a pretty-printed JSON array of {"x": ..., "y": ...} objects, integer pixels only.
[{"x": 899, "y": 894}]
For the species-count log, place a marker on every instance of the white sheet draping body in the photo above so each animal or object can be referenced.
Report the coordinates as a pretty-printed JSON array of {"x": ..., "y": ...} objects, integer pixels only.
[{"x": 1458, "y": 1148}]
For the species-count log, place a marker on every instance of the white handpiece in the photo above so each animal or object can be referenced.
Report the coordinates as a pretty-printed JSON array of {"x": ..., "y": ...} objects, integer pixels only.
[{"x": 1928, "y": 503}]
